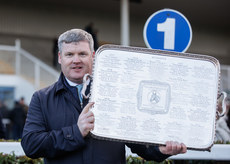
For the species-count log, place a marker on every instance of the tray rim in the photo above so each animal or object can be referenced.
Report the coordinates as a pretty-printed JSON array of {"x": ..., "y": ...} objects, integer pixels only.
[{"x": 193, "y": 56}]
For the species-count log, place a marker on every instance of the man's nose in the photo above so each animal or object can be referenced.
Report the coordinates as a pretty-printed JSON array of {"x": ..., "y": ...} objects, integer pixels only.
[{"x": 76, "y": 58}]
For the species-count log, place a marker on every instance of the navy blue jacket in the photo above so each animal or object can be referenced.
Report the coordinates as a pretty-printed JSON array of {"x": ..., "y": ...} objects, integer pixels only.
[{"x": 51, "y": 132}]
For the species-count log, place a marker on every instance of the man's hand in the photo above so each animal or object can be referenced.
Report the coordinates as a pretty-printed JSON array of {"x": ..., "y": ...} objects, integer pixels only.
[
  {"x": 86, "y": 120},
  {"x": 173, "y": 148}
]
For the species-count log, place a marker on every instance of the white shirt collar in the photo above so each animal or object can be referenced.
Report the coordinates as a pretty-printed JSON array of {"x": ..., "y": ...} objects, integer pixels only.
[{"x": 71, "y": 83}]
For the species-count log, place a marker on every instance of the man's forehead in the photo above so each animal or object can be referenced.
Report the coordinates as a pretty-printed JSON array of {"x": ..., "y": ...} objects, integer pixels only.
[
  {"x": 75, "y": 43},
  {"x": 79, "y": 46}
]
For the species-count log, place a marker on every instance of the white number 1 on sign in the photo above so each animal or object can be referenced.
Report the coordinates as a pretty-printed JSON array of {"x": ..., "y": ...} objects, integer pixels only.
[{"x": 168, "y": 27}]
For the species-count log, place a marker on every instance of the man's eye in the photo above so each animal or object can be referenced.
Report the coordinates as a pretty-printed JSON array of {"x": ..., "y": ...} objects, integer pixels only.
[
  {"x": 83, "y": 54},
  {"x": 69, "y": 54}
]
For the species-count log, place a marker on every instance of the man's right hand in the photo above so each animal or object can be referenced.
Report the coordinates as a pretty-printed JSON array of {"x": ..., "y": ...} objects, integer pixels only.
[
  {"x": 86, "y": 120},
  {"x": 173, "y": 148}
]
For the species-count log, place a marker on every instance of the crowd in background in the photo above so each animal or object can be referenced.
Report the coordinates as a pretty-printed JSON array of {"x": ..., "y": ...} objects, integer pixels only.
[{"x": 12, "y": 120}]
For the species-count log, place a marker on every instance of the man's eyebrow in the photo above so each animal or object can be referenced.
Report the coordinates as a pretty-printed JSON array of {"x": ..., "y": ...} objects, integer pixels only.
[
  {"x": 83, "y": 51},
  {"x": 67, "y": 52}
]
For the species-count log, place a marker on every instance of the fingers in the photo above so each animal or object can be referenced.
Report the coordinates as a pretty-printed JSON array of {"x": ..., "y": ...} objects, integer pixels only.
[
  {"x": 86, "y": 120},
  {"x": 173, "y": 148},
  {"x": 87, "y": 107},
  {"x": 85, "y": 125},
  {"x": 184, "y": 148}
]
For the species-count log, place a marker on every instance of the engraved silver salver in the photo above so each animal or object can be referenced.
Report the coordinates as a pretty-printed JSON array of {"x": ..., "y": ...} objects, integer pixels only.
[{"x": 150, "y": 96}]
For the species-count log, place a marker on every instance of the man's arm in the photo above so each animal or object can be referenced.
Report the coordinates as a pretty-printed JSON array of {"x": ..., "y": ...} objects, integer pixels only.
[{"x": 38, "y": 141}]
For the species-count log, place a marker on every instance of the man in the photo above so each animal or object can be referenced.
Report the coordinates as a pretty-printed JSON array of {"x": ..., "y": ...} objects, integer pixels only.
[
  {"x": 58, "y": 122},
  {"x": 2, "y": 128},
  {"x": 17, "y": 116}
]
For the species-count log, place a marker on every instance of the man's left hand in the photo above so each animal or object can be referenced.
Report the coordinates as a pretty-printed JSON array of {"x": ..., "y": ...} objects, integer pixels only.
[{"x": 173, "y": 148}]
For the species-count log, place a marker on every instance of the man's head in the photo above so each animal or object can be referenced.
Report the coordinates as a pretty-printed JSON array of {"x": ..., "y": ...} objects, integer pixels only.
[
  {"x": 75, "y": 35},
  {"x": 22, "y": 101},
  {"x": 76, "y": 54}
]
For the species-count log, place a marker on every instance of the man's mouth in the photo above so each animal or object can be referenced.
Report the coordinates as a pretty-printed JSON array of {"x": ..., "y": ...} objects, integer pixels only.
[{"x": 77, "y": 68}]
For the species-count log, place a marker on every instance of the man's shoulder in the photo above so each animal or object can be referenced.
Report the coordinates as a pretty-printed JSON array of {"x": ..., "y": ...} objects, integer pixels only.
[
  {"x": 47, "y": 90},
  {"x": 53, "y": 89}
]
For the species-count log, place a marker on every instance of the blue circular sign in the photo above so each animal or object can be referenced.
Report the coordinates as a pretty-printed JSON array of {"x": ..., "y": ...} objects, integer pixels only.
[{"x": 168, "y": 29}]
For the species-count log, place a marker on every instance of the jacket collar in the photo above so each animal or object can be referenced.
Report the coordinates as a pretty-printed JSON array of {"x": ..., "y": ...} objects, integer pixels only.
[
  {"x": 60, "y": 83},
  {"x": 61, "y": 88}
]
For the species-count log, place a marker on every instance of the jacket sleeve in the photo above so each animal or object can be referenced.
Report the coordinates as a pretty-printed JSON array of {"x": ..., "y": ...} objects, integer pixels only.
[
  {"x": 38, "y": 141},
  {"x": 149, "y": 153}
]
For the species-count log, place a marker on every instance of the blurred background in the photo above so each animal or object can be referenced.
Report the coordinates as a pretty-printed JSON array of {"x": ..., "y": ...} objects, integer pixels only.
[{"x": 29, "y": 31}]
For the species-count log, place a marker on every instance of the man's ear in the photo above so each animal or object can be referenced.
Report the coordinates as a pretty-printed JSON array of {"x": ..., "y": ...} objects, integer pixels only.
[
  {"x": 59, "y": 57},
  {"x": 93, "y": 54}
]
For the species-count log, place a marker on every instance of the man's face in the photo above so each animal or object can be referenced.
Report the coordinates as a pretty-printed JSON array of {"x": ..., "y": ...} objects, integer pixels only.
[{"x": 76, "y": 60}]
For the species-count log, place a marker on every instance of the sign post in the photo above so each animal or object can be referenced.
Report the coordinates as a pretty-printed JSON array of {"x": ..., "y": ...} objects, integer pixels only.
[{"x": 167, "y": 29}]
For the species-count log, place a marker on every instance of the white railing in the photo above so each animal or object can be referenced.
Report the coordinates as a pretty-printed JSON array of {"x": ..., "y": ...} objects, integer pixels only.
[
  {"x": 11, "y": 147},
  {"x": 219, "y": 152},
  {"x": 27, "y": 66}
]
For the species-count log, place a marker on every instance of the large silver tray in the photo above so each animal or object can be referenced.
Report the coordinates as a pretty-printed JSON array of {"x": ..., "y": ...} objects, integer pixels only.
[{"x": 151, "y": 96}]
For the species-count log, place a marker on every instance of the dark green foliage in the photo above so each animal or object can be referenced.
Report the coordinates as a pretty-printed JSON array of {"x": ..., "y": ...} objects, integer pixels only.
[
  {"x": 13, "y": 159},
  {"x": 139, "y": 160}
]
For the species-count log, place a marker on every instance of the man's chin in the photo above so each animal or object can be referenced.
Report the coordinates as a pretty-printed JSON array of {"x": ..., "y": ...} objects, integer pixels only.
[{"x": 78, "y": 76}]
